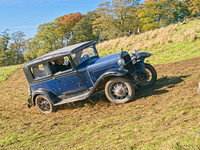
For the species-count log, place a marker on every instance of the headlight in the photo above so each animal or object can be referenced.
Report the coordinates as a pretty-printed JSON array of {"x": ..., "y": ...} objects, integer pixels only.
[
  {"x": 121, "y": 62},
  {"x": 135, "y": 53}
]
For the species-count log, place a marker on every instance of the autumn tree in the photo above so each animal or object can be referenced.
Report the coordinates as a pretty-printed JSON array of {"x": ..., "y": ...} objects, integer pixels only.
[
  {"x": 48, "y": 38},
  {"x": 17, "y": 46},
  {"x": 193, "y": 8},
  {"x": 4, "y": 40},
  {"x": 157, "y": 13},
  {"x": 116, "y": 18},
  {"x": 68, "y": 22},
  {"x": 83, "y": 31},
  {"x": 125, "y": 15},
  {"x": 102, "y": 24},
  {"x": 28, "y": 50}
]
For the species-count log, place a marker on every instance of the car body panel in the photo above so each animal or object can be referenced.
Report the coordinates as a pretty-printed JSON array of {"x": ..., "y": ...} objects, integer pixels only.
[{"x": 102, "y": 65}]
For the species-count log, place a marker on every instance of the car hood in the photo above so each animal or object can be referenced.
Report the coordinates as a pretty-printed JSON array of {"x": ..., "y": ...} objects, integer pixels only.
[
  {"x": 103, "y": 64},
  {"x": 108, "y": 58}
]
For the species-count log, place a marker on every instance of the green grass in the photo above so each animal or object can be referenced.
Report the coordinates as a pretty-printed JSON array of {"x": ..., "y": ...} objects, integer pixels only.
[
  {"x": 174, "y": 52},
  {"x": 168, "y": 44},
  {"x": 171, "y": 52},
  {"x": 6, "y": 71}
]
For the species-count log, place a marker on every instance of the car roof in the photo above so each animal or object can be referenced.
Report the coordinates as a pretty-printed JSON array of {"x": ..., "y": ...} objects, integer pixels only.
[{"x": 60, "y": 52}]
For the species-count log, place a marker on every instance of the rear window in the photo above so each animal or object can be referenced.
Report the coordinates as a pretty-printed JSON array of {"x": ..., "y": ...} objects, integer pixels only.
[{"x": 40, "y": 70}]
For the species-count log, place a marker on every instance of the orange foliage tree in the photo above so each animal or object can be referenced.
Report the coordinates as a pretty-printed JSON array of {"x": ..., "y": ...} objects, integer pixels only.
[{"x": 68, "y": 22}]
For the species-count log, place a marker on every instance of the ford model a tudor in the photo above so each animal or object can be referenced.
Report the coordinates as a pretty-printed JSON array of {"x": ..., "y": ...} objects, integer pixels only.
[{"x": 74, "y": 72}]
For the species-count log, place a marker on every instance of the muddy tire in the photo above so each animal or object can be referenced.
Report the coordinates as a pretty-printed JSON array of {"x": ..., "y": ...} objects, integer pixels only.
[
  {"x": 119, "y": 90},
  {"x": 44, "y": 104},
  {"x": 150, "y": 77}
]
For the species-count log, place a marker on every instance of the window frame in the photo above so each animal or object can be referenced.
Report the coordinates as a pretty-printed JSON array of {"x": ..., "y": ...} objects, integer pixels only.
[
  {"x": 43, "y": 77},
  {"x": 60, "y": 73},
  {"x": 95, "y": 51}
]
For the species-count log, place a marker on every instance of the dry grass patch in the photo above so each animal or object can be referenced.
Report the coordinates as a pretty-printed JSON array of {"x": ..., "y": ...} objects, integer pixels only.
[{"x": 156, "y": 40}]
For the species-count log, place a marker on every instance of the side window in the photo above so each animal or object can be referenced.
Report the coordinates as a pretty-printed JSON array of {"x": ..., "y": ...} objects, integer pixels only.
[
  {"x": 40, "y": 70},
  {"x": 89, "y": 51},
  {"x": 60, "y": 65}
]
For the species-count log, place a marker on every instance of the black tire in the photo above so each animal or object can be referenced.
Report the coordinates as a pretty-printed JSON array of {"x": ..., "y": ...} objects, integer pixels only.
[
  {"x": 119, "y": 90},
  {"x": 44, "y": 104},
  {"x": 150, "y": 77}
]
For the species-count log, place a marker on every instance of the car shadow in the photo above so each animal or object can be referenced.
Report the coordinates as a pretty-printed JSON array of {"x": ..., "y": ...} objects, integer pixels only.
[
  {"x": 99, "y": 99},
  {"x": 168, "y": 82}
]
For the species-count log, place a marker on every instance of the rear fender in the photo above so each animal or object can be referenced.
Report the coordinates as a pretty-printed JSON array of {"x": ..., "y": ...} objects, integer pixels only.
[{"x": 41, "y": 91}]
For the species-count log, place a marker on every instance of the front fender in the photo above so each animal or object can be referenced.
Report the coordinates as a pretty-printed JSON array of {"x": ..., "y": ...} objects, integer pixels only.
[
  {"x": 114, "y": 72},
  {"x": 109, "y": 74},
  {"x": 41, "y": 91},
  {"x": 143, "y": 55}
]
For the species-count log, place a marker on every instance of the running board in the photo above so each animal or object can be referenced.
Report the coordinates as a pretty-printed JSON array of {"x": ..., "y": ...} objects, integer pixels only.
[{"x": 73, "y": 97}]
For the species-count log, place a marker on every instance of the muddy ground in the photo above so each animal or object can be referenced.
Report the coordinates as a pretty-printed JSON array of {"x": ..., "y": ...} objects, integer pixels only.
[{"x": 166, "y": 115}]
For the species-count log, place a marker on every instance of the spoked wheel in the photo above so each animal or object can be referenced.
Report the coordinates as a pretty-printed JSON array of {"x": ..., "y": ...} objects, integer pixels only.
[
  {"x": 44, "y": 104},
  {"x": 149, "y": 77},
  {"x": 119, "y": 90}
]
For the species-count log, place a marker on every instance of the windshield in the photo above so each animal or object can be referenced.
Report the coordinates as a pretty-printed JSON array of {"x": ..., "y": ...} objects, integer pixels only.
[{"x": 84, "y": 55}]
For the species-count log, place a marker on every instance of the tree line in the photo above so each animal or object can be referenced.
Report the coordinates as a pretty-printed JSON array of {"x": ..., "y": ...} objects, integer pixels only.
[{"x": 112, "y": 19}]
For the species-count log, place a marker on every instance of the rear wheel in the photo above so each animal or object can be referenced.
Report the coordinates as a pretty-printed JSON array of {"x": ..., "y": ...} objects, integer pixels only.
[
  {"x": 44, "y": 104},
  {"x": 119, "y": 90},
  {"x": 149, "y": 77}
]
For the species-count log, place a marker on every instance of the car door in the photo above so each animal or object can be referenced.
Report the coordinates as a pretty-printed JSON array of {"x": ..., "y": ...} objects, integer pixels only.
[
  {"x": 72, "y": 81},
  {"x": 84, "y": 79},
  {"x": 67, "y": 82}
]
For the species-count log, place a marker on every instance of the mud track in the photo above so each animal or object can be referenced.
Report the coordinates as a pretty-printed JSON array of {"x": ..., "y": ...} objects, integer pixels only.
[{"x": 171, "y": 105}]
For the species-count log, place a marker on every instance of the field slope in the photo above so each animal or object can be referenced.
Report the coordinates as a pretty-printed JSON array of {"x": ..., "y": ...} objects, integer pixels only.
[
  {"x": 165, "y": 116},
  {"x": 168, "y": 44}
]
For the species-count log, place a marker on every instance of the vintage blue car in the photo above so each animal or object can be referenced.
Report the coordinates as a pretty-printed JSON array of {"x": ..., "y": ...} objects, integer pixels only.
[{"x": 75, "y": 72}]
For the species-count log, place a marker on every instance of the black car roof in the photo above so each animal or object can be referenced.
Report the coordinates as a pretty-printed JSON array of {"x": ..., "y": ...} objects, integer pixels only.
[{"x": 60, "y": 52}]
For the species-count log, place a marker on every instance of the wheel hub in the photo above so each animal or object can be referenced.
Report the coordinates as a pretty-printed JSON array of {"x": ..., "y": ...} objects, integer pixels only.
[
  {"x": 120, "y": 90},
  {"x": 44, "y": 105}
]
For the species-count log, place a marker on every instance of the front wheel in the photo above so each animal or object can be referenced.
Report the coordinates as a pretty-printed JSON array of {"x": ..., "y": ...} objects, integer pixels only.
[
  {"x": 44, "y": 104},
  {"x": 149, "y": 77},
  {"x": 119, "y": 90}
]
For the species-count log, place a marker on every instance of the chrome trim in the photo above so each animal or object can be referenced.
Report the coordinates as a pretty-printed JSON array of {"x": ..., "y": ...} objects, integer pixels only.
[{"x": 90, "y": 76}]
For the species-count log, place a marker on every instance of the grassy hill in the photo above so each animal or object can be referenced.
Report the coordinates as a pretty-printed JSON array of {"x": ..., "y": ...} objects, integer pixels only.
[
  {"x": 165, "y": 116},
  {"x": 168, "y": 44}
]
